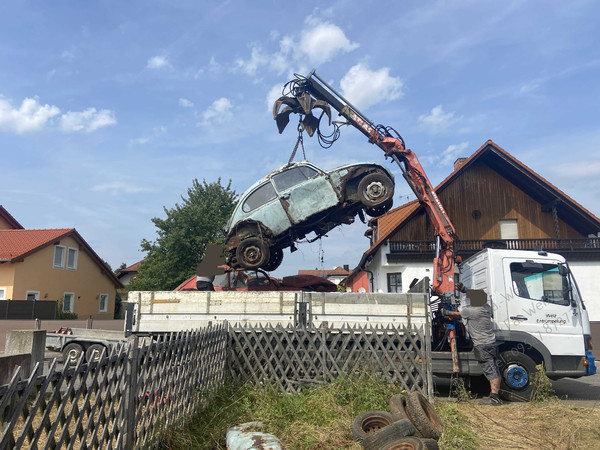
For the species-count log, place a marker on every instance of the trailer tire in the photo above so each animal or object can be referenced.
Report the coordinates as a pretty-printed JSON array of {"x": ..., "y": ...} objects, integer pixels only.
[
  {"x": 94, "y": 352},
  {"x": 398, "y": 407},
  {"x": 388, "y": 435},
  {"x": 516, "y": 371},
  {"x": 72, "y": 352},
  {"x": 423, "y": 416},
  {"x": 370, "y": 422}
]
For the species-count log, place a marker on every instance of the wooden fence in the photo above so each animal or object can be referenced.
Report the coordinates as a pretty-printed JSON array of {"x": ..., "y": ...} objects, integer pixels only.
[
  {"x": 125, "y": 400},
  {"x": 129, "y": 397}
]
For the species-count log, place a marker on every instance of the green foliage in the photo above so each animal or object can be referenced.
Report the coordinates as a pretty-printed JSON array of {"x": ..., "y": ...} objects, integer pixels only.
[
  {"x": 182, "y": 237},
  {"x": 542, "y": 387},
  {"x": 61, "y": 315},
  {"x": 457, "y": 434},
  {"x": 118, "y": 304},
  {"x": 318, "y": 417}
]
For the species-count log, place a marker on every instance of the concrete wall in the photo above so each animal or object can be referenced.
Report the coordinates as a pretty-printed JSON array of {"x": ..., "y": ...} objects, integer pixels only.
[
  {"x": 31, "y": 342},
  {"x": 87, "y": 282},
  {"x": 8, "y": 364}
]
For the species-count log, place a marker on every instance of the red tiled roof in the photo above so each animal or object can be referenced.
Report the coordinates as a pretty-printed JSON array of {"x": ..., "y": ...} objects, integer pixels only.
[
  {"x": 337, "y": 271},
  {"x": 16, "y": 244},
  {"x": 131, "y": 268}
]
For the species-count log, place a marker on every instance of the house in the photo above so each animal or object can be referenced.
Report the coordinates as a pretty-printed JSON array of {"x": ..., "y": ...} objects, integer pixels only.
[
  {"x": 55, "y": 264},
  {"x": 335, "y": 275},
  {"x": 128, "y": 274},
  {"x": 492, "y": 199},
  {"x": 8, "y": 222}
]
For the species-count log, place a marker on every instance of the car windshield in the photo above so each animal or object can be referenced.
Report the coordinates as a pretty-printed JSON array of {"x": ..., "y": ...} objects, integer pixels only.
[
  {"x": 539, "y": 282},
  {"x": 291, "y": 177},
  {"x": 259, "y": 197}
]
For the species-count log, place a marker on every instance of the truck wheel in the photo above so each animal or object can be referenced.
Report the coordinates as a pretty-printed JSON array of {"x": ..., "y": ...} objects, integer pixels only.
[
  {"x": 274, "y": 261},
  {"x": 72, "y": 352},
  {"x": 375, "y": 189},
  {"x": 423, "y": 416},
  {"x": 388, "y": 435},
  {"x": 369, "y": 422},
  {"x": 93, "y": 352},
  {"x": 517, "y": 371},
  {"x": 252, "y": 253}
]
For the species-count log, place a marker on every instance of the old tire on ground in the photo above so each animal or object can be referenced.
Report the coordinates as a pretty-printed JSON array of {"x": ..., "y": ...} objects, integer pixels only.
[
  {"x": 252, "y": 253},
  {"x": 398, "y": 407},
  {"x": 72, "y": 352},
  {"x": 93, "y": 352},
  {"x": 380, "y": 210},
  {"x": 423, "y": 416},
  {"x": 274, "y": 260},
  {"x": 375, "y": 190},
  {"x": 388, "y": 435},
  {"x": 430, "y": 444},
  {"x": 369, "y": 422},
  {"x": 516, "y": 371},
  {"x": 406, "y": 443}
]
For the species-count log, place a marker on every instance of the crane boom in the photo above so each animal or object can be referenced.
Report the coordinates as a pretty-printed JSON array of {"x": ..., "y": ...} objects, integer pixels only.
[{"x": 313, "y": 92}]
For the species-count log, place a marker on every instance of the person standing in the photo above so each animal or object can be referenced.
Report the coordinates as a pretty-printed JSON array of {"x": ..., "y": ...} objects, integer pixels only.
[{"x": 477, "y": 317}]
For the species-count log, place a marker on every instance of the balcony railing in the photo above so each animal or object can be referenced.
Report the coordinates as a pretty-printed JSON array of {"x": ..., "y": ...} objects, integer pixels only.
[{"x": 583, "y": 244}]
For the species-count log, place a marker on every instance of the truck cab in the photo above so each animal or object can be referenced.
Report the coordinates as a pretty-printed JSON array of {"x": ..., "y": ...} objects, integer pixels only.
[{"x": 538, "y": 316}]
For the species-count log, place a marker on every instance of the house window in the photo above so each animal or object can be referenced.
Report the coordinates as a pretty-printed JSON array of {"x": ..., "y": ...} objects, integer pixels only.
[
  {"x": 59, "y": 256},
  {"x": 72, "y": 258},
  {"x": 2, "y": 293},
  {"x": 508, "y": 229},
  {"x": 394, "y": 282},
  {"x": 32, "y": 296},
  {"x": 68, "y": 299},
  {"x": 103, "y": 302}
]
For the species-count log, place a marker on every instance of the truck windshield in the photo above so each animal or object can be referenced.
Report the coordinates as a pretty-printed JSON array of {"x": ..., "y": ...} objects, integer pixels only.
[{"x": 542, "y": 282}]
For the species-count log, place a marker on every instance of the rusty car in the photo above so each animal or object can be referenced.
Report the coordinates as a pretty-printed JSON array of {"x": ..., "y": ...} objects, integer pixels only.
[{"x": 298, "y": 199}]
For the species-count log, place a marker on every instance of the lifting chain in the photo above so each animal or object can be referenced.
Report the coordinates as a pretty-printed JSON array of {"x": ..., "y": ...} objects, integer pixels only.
[{"x": 300, "y": 142}]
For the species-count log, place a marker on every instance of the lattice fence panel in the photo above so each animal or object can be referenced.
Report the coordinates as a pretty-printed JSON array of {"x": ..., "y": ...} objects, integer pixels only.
[{"x": 294, "y": 357}]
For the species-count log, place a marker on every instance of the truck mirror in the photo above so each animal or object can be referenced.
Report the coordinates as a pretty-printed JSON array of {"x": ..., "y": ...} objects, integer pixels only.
[{"x": 563, "y": 270}]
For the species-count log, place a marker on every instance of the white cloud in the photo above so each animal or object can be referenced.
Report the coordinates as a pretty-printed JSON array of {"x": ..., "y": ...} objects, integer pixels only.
[
  {"x": 318, "y": 43},
  {"x": 452, "y": 153},
  {"x": 364, "y": 87},
  {"x": 119, "y": 187},
  {"x": 437, "y": 120},
  {"x": 157, "y": 62},
  {"x": 88, "y": 120},
  {"x": 185, "y": 103},
  {"x": 30, "y": 116},
  {"x": 219, "y": 112},
  {"x": 156, "y": 132}
]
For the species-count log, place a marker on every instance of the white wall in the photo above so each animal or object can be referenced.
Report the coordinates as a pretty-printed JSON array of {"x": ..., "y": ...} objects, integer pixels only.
[{"x": 587, "y": 274}]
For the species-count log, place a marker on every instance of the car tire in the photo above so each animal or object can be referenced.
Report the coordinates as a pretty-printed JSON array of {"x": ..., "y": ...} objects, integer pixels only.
[
  {"x": 516, "y": 371},
  {"x": 94, "y": 352},
  {"x": 72, "y": 352},
  {"x": 423, "y": 416},
  {"x": 375, "y": 189},
  {"x": 398, "y": 407},
  {"x": 380, "y": 210},
  {"x": 252, "y": 253},
  {"x": 388, "y": 435},
  {"x": 370, "y": 422},
  {"x": 274, "y": 261}
]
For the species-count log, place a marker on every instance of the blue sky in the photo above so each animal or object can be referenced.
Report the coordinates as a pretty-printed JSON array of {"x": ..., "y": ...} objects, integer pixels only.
[{"x": 109, "y": 109}]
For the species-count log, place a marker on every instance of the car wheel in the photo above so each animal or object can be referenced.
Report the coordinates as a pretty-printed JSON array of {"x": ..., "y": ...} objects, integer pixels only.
[
  {"x": 379, "y": 210},
  {"x": 252, "y": 253},
  {"x": 375, "y": 189},
  {"x": 274, "y": 261},
  {"x": 517, "y": 373}
]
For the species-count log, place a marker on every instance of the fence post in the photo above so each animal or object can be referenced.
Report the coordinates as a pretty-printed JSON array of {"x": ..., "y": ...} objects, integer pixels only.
[{"x": 131, "y": 390}]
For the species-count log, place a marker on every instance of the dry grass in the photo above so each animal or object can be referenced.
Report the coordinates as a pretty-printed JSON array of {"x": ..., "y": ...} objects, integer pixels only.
[{"x": 550, "y": 425}]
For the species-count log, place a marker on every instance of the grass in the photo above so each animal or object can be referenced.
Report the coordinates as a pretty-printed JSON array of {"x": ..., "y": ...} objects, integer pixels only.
[{"x": 321, "y": 418}]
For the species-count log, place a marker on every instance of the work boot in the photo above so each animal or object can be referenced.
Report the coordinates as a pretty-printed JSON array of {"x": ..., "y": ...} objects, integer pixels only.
[{"x": 495, "y": 400}]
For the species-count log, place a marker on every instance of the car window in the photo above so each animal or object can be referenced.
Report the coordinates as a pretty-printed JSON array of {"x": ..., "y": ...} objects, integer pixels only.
[
  {"x": 291, "y": 177},
  {"x": 259, "y": 197},
  {"x": 541, "y": 282}
]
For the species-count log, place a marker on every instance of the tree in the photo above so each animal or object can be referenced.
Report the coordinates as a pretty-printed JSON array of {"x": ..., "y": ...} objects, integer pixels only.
[{"x": 183, "y": 235}]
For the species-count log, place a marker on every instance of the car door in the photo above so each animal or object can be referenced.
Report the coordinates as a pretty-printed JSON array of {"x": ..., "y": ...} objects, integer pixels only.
[
  {"x": 262, "y": 205},
  {"x": 304, "y": 191},
  {"x": 539, "y": 302}
]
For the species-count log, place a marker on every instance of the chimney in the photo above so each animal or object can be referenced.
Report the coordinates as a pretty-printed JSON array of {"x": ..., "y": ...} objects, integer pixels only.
[
  {"x": 347, "y": 267},
  {"x": 459, "y": 162}
]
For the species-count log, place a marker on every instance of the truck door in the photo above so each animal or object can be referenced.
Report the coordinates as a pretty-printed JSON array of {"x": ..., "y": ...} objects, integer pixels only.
[
  {"x": 539, "y": 302},
  {"x": 304, "y": 191}
]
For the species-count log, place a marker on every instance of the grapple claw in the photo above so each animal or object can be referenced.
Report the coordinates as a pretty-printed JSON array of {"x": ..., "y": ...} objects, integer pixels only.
[
  {"x": 302, "y": 104},
  {"x": 282, "y": 118}
]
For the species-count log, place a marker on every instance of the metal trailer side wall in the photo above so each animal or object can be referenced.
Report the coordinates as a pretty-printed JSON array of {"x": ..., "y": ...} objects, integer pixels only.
[{"x": 164, "y": 311}]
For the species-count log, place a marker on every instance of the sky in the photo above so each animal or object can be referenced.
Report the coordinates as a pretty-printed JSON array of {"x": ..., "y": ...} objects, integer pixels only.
[{"x": 109, "y": 109}]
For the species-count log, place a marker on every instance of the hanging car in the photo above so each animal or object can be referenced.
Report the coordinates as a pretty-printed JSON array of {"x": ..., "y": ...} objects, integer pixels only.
[{"x": 298, "y": 199}]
